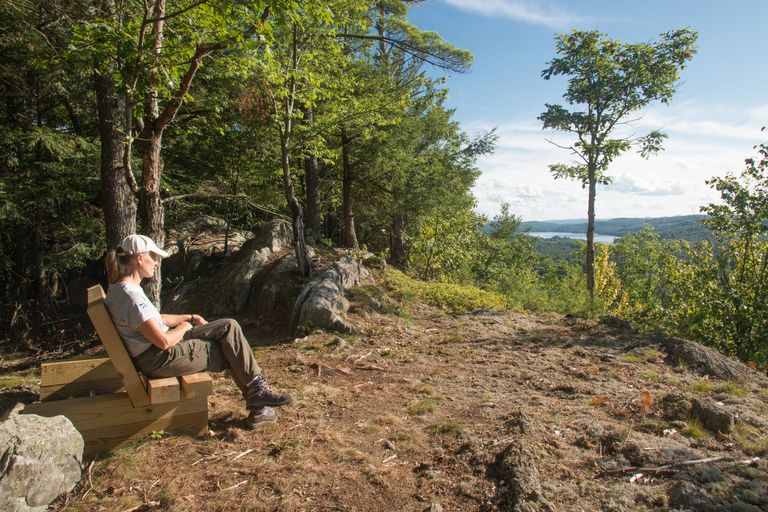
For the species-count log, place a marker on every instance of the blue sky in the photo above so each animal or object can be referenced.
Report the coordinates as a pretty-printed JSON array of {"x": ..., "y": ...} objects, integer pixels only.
[{"x": 713, "y": 121}]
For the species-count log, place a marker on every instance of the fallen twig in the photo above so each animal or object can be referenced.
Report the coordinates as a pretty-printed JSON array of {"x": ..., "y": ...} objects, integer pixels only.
[
  {"x": 235, "y": 486},
  {"x": 241, "y": 455},
  {"x": 672, "y": 467}
]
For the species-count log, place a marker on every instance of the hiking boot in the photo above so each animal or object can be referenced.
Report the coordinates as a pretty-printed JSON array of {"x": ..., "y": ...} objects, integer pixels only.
[
  {"x": 260, "y": 394},
  {"x": 258, "y": 416}
]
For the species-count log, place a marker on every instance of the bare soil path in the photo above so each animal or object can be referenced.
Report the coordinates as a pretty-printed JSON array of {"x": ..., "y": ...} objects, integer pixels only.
[{"x": 481, "y": 411}]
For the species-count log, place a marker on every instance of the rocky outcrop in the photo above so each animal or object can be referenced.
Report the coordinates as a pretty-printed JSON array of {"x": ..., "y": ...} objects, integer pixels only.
[
  {"x": 236, "y": 280},
  {"x": 705, "y": 361},
  {"x": 680, "y": 407},
  {"x": 518, "y": 483},
  {"x": 686, "y": 496},
  {"x": 712, "y": 416},
  {"x": 322, "y": 303},
  {"x": 226, "y": 291},
  {"x": 40, "y": 459},
  {"x": 275, "y": 291}
]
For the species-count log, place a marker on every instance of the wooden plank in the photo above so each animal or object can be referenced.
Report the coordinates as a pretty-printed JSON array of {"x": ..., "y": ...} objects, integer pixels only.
[
  {"x": 109, "y": 336},
  {"x": 104, "y": 439},
  {"x": 80, "y": 388},
  {"x": 82, "y": 368},
  {"x": 107, "y": 421},
  {"x": 162, "y": 391},
  {"x": 196, "y": 385},
  {"x": 78, "y": 377}
]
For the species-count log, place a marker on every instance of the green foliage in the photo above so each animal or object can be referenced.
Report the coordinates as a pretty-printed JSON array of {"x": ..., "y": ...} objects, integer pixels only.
[
  {"x": 695, "y": 429},
  {"x": 713, "y": 292},
  {"x": 451, "y": 297},
  {"x": 422, "y": 407}
]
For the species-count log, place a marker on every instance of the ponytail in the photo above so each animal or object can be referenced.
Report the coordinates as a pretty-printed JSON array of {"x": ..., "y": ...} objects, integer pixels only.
[{"x": 118, "y": 264}]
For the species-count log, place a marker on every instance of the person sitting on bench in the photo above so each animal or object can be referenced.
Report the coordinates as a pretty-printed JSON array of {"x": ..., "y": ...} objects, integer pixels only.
[{"x": 165, "y": 345}]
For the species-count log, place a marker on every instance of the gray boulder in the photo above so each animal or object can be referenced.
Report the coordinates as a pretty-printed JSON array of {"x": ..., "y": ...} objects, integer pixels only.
[
  {"x": 40, "y": 459},
  {"x": 712, "y": 416},
  {"x": 322, "y": 303},
  {"x": 707, "y": 361}
]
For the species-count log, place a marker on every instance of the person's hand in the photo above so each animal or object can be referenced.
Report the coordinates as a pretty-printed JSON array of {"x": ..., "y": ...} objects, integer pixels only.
[{"x": 198, "y": 320}]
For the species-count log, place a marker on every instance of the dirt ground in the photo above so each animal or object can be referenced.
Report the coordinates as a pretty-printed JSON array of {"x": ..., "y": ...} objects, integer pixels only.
[{"x": 414, "y": 413}]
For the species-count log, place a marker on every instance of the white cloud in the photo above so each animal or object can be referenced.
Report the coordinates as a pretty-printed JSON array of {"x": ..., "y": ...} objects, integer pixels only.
[
  {"x": 703, "y": 142},
  {"x": 538, "y": 13},
  {"x": 639, "y": 186}
]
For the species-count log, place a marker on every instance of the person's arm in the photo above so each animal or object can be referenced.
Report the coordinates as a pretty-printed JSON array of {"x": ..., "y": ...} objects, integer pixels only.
[
  {"x": 164, "y": 340},
  {"x": 174, "y": 320}
]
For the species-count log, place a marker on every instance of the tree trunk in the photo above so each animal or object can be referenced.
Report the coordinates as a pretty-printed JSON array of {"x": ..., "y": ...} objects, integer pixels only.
[
  {"x": 297, "y": 217},
  {"x": 38, "y": 312},
  {"x": 398, "y": 253},
  {"x": 591, "y": 238},
  {"x": 116, "y": 197},
  {"x": 312, "y": 173},
  {"x": 350, "y": 235},
  {"x": 151, "y": 211}
]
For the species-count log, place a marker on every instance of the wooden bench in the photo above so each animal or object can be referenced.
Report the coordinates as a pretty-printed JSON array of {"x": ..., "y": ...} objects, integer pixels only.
[{"x": 109, "y": 402}]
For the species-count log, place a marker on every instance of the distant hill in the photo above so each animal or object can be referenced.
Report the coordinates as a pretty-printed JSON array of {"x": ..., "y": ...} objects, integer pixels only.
[{"x": 682, "y": 227}]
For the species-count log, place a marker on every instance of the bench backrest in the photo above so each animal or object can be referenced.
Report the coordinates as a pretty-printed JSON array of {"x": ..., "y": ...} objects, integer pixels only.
[{"x": 134, "y": 384}]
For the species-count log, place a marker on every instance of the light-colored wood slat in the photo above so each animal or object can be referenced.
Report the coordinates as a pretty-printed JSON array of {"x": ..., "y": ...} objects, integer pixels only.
[
  {"x": 82, "y": 368},
  {"x": 107, "y": 421},
  {"x": 162, "y": 391},
  {"x": 196, "y": 385},
  {"x": 104, "y": 439},
  {"x": 114, "y": 409},
  {"x": 81, "y": 388},
  {"x": 109, "y": 336}
]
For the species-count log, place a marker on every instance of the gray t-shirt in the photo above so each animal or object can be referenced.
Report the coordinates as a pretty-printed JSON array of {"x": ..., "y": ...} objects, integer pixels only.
[{"x": 129, "y": 307}]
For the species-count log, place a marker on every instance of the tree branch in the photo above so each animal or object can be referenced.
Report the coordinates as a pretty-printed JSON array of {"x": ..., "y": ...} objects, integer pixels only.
[
  {"x": 410, "y": 49},
  {"x": 237, "y": 197},
  {"x": 177, "y": 13}
]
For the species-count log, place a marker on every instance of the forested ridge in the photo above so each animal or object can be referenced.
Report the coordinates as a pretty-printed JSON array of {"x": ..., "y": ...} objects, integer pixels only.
[
  {"x": 681, "y": 227},
  {"x": 122, "y": 117}
]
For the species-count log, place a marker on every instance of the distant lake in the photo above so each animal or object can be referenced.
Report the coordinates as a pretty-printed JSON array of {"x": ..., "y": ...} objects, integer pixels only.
[{"x": 603, "y": 239}]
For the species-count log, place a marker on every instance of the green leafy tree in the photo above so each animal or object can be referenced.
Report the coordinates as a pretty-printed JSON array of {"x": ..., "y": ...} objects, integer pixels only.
[
  {"x": 48, "y": 192},
  {"x": 608, "y": 82},
  {"x": 739, "y": 304}
]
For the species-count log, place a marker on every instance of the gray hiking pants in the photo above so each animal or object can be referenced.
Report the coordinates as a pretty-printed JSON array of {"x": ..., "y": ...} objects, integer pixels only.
[{"x": 216, "y": 346}]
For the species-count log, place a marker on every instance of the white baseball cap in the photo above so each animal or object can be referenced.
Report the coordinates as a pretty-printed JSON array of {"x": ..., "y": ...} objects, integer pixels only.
[{"x": 134, "y": 244}]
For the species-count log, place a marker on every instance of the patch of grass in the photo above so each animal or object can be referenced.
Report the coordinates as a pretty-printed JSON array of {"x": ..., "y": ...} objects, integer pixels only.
[
  {"x": 750, "y": 439},
  {"x": 425, "y": 406},
  {"x": 707, "y": 387},
  {"x": 14, "y": 381},
  {"x": 451, "y": 297},
  {"x": 426, "y": 390},
  {"x": 652, "y": 376},
  {"x": 370, "y": 428},
  {"x": 701, "y": 387},
  {"x": 294, "y": 368},
  {"x": 447, "y": 428},
  {"x": 650, "y": 354},
  {"x": 731, "y": 388},
  {"x": 631, "y": 358},
  {"x": 694, "y": 428},
  {"x": 353, "y": 455},
  {"x": 486, "y": 398},
  {"x": 455, "y": 338}
]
